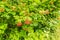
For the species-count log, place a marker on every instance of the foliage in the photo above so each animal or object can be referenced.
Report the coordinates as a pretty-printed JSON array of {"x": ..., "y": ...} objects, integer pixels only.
[{"x": 29, "y": 19}]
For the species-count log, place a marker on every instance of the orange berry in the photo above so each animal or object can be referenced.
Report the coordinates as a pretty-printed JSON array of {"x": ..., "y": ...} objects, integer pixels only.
[
  {"x": 19, "y": 24},
  {"x": 47, "y": 12},
  {"x": 1, "y": 9},
  {"x": 58, "y": 18},
  {"x": 27, "y": 21}
]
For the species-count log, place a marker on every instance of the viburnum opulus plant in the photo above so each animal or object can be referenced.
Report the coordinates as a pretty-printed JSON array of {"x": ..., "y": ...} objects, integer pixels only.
[{"x": 29, "y": 19}]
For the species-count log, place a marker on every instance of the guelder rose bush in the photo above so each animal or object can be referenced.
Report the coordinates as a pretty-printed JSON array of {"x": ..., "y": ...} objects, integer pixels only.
[{"x": 29, "y": 19}]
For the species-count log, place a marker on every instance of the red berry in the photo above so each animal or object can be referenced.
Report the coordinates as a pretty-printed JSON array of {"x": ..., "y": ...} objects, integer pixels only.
[
  {"x": 19, "y": 24},
  {"x": 27, "y": 21}
]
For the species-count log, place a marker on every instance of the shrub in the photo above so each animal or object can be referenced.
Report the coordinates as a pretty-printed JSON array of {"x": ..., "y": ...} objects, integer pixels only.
[{"x": 29, "y": 19}]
